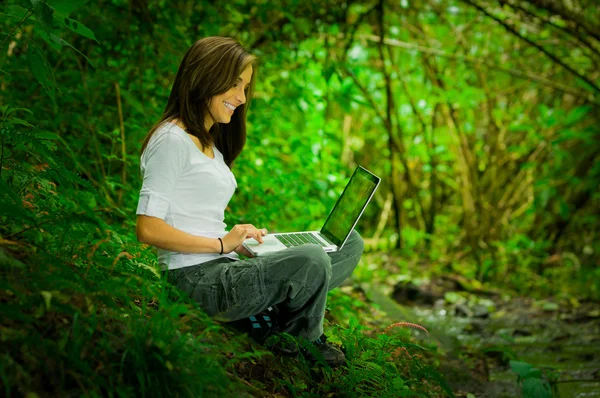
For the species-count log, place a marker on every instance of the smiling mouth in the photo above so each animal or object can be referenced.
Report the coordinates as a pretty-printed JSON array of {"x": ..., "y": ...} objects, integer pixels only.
[{"x": 229, "y": 106}]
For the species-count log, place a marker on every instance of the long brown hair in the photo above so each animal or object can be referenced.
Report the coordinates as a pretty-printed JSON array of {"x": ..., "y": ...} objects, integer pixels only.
[{"x": 210, "y": 67}]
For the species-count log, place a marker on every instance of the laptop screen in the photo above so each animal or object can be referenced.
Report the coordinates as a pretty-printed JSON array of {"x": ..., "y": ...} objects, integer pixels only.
[{"x": 350, "y": 206}]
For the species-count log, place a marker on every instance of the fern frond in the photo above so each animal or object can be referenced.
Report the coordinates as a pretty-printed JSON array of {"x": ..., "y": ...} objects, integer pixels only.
[{"x": 406, "y": 325}]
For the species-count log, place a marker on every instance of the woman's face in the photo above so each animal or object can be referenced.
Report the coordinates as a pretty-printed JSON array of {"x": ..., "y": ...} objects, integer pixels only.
[{"x": 223, "y": 105}]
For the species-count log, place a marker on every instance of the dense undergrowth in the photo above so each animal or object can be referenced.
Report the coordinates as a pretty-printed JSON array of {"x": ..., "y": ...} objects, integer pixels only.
[{"x": 106, "y": 326}]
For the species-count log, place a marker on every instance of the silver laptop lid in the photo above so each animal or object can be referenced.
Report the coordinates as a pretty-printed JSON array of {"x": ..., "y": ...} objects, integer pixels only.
[{"x": 350, "y": 206}]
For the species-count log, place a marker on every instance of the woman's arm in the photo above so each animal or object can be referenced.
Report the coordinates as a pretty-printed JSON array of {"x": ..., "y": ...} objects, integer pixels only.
[{"x": 156, "y": 232}]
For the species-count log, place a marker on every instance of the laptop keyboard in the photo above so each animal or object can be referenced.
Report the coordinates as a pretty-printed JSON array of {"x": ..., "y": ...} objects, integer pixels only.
[{"x": 299, "y": 238}]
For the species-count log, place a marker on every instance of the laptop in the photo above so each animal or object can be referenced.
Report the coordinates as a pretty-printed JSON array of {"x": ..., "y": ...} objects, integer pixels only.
[{"x": 338, "y": 226}]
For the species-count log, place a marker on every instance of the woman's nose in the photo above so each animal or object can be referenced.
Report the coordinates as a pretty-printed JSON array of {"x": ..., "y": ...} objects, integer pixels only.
[{"x": 241, "y": 96}]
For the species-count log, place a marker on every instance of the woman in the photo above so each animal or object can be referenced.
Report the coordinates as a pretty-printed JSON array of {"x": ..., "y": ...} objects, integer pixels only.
[{"x": 187, "y": 182}]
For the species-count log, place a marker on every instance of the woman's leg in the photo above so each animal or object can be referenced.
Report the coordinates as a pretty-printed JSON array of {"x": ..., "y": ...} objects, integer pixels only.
[
  {"x": 344, "y": 262},
  {"x": 297, "y": 279}
]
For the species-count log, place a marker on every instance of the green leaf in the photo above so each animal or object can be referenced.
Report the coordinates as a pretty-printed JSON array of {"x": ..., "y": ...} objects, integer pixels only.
[
  {"x": 46, "y": 135},
  {"x": 534, "y": 373},
  {"x": 6, "y": 110},
  {"x": 544, "y": 110},
  {"x": 577, "y": 114},
  {"x": 66, "y": 6},
  {"x": 536, "y": 388},
  {"x": 41, "y": 70},
  {"x": 16, "y": 11},
  {"x": 520, "y": 368},
  {"x": 549, "y": 306},
  {"x": 453, "y": 298},
  {"x": 22, "y": 122},
  {"x": 47, "y": 298},
  {"x": 57, "y": 43},
  {"x": 149, "y": 268},
  {"x": 66, "y": 43},
  {"x": 78, "y": 28},
  {"x": 44, "y": 15},
  {"x": 53, "y": 41},
  {"x": 39, "y": 67}
]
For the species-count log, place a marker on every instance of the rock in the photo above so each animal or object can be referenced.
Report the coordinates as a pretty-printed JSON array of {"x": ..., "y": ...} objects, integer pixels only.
[
  {"x": 521, "y": 333},
  {"x": 410, "y": 293},
  {"x": 481, "y": 311},
  {"x": 462, "y": 311},
  {"x": 478, "y": 327},
  {"x": 439, "y": 304}
]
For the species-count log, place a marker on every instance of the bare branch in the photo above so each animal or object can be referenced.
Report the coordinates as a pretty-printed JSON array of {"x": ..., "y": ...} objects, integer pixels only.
[
  {"x": 17, "y": 26},
  {"x": 571, "y": 32},
  {"x": 556, "y": 7},
  {"x": 588, "y": 97},
  {"x": 529, "y": 41}
]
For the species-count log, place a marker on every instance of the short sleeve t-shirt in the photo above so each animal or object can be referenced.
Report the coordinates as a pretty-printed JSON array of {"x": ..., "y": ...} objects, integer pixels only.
[{"x": 185, "y": 188}]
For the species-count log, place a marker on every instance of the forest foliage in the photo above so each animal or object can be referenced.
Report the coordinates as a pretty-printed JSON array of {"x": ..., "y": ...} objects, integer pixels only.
[{"x": 480, "y": 116}]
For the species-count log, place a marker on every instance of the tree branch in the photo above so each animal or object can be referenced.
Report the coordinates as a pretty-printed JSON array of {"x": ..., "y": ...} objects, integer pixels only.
[
  {"x": 366, "y": 93},
  {"x": 354, "y": 28},
  {"x": 571, "y": 32},
  {"x": 588, "y": 97},
  {"x": 123, "y": 147},
  {"x": 27, "y": 15},
  {"x": 532, "y": 43},
  {"x": 556, "y": 7}
]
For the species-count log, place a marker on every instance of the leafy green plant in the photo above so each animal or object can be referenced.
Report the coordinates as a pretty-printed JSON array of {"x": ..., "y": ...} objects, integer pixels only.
[
  {"x": 383, "y": 365},
  {"x": 531, "y": 381}
]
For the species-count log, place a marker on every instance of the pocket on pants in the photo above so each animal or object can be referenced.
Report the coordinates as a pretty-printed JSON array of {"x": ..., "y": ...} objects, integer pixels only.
[
  {"x": 197, "y": 282},
  {"x": 243, "y": 284}
]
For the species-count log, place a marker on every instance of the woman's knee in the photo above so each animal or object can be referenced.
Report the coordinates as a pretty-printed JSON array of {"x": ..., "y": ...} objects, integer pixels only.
[
  {"x": 355, "y": 245},
  {"x": 314, "y": 260}
]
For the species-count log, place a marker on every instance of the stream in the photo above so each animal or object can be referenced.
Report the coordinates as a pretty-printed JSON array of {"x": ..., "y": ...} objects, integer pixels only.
[{"x": 480, "y": 333}]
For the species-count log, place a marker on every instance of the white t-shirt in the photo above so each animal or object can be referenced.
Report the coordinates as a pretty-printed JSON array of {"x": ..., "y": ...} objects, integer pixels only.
[{"x": 185, "y": 188}]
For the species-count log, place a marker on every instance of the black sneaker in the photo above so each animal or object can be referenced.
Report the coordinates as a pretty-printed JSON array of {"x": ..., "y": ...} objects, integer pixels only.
[
  {"x": 264, "y": 329},
  {"x": 320, "y": 351}
]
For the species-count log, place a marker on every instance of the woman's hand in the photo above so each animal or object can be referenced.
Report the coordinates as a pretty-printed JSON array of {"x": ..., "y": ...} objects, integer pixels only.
[
  {"x": 243, "y": 251},
  {"x": 239, "y": 233}
]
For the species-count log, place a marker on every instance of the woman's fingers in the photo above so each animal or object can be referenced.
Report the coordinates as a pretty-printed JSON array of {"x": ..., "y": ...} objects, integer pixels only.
[
  {"x": 256, "y": 234},
  {"x": 253, "y": 232},
  {"x": 239, "y": 233}
]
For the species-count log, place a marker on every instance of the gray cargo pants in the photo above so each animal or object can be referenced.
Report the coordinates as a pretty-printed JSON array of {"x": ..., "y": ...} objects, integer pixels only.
[{"x": 296, "y": 280}]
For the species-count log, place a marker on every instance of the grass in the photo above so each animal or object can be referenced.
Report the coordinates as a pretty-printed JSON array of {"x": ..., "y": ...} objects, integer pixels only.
[{"x": 106, "y": 328}]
